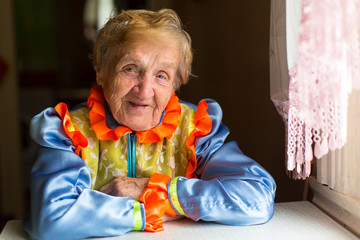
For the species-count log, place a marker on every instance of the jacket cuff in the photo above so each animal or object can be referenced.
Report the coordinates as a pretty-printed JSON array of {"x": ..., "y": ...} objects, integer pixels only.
[
  {"x": 139, "y": 216},
  {"x": 156, "y": 202},
  {"x": 174, "y": 200}
]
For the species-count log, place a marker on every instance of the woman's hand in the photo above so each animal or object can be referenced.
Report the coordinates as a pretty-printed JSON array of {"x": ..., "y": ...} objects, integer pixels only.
[
  {"x": 126, "y": 187},
  {"x": 132, "y": 187}
]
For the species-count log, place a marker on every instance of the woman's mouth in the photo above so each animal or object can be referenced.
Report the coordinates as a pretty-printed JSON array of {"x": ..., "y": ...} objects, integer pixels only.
[{"x": 138, "y": 105}]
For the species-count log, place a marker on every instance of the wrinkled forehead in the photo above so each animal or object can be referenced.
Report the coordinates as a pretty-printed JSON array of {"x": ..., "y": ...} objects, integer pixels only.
[
  {"x": 140, "y": 45},
  {"x": 143, "y": 56}
]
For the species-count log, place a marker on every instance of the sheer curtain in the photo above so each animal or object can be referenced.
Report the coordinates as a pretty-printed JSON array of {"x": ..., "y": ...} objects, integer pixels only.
[
  {"x": 313, "y": 87},
  {"x": 340, "y": 169}
]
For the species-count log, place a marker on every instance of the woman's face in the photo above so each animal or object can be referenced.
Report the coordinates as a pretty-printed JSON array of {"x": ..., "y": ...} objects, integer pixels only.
[{"x": 143, "y": 84}]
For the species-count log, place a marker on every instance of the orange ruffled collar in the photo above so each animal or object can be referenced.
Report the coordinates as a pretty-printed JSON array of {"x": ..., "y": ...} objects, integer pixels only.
[{"x": 98, "y": 121}]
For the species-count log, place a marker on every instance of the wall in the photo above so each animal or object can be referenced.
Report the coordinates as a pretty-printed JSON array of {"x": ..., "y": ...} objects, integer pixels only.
[{"x": 11, "y": 187}]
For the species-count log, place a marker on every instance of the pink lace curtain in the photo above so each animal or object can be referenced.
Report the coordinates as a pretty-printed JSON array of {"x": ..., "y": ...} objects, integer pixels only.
[{"x": 327, "y": 68}]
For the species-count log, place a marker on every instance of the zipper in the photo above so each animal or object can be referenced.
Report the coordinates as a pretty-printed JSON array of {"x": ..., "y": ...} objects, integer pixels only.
[{"x": 131, "y": 154}]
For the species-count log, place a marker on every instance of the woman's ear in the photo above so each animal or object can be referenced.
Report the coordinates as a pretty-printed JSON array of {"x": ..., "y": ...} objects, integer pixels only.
[{"x": 99, "y": 76}]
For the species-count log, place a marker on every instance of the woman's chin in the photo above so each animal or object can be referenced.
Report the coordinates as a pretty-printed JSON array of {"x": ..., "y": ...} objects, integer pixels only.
[{"x": 138, "y": 124}]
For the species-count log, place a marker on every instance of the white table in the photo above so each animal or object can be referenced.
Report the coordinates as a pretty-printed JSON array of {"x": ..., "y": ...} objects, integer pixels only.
[{"x": 292, "y": 220}]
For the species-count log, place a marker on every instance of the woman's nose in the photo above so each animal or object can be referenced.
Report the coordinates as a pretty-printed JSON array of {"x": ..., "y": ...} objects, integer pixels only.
[{"x": 145, "y": 88}]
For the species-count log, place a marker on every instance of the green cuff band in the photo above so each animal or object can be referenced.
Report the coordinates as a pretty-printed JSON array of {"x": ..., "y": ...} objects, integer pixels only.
[
  {"x": 137, "y": 216},
  {"x": 174, "y": 196}
]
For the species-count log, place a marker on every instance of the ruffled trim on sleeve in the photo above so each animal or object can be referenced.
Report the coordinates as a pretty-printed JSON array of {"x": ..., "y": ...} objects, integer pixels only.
[
  {"x": 103, "y": 132},
  {"x": 156, "y": 202},
  {"x": 78, "y": 139},
  {"x": 98, "y": 120},
  {"x": 203, "y": 127}
]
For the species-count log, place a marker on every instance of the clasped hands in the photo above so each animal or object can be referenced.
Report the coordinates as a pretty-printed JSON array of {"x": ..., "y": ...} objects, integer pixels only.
[
  {"x": 131, "y": 187},
  {"x": 126, "y": 187}
]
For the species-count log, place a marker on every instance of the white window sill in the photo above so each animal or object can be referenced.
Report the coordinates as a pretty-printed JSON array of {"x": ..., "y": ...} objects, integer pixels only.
[{"x": 343, "y": 208}]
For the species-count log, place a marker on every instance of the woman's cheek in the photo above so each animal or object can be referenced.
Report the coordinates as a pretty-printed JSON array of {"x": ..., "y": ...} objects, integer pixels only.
[{"x": 163, "y": 98}]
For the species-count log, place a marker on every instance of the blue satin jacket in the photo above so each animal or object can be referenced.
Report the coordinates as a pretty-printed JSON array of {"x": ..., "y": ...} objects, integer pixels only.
[{"x": 232, "y": 188}]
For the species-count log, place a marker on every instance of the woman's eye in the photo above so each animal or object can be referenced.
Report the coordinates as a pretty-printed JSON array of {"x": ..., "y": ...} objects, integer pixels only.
[
  {"x": 163, "y": 78},
  {"x": 160, "y": 76},
  {"x": 129, "y": 69}
]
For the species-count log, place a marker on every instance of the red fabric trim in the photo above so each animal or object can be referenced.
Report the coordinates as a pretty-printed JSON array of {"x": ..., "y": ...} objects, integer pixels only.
[
  {"x": 103, "y": 132},
  {"x": 156, "y": 202},
  {"x": 203, "y": 127},
  {"x": 97, "y": 117},
  {"x": 78, "y": 139},
  {"x": 167, "y": 127}
]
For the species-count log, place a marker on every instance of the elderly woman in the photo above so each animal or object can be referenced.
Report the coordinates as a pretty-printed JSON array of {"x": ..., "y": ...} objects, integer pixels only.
[{"x": 135, "y": 155}]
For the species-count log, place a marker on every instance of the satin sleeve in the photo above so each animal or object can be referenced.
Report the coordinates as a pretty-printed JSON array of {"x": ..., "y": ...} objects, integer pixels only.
[
  {"x": 231, "y": 189},
  {"x": 63, "y": 205}
]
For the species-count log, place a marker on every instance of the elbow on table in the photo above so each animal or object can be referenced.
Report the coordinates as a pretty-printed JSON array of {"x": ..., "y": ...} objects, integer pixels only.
[
  {"x": 47, "y": 229},
  {"x": 265, "y": 213},
  {"x": 254, "y": 215},
  {"x": 254, "y": 207},
  {"x": 46, "y": 234},
  {"x": 239, "y": 214}
]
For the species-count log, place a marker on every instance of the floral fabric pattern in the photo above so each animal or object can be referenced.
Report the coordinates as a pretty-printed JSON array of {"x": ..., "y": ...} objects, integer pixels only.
[{"x": 107, "y": 159}]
